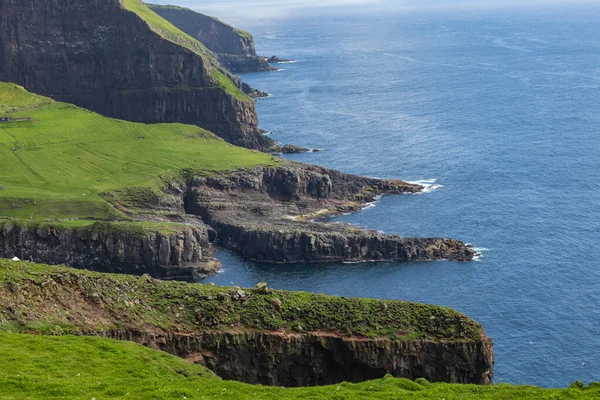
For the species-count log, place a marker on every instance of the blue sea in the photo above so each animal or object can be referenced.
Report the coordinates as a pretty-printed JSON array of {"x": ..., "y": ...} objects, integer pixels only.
[{"x": 498, "y": 112}]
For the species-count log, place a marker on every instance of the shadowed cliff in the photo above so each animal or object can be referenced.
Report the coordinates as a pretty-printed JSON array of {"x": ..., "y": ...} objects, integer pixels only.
[
  {"x": 233, "y": 47},
  {"x": 122, "y": 60}
]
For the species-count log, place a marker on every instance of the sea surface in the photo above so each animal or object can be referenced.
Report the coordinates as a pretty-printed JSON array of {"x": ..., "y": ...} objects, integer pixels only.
[{"x": 498, "y": 111}]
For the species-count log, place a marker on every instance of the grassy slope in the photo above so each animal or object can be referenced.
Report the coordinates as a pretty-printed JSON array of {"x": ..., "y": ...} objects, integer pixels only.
[
  {"x": 173, "y": 34},
  {"x": 58, "y": 165},
  {"x": 174, "y": 306},
  {"x": 43, "y": 367},
  {"x": 241, "y": 32}
]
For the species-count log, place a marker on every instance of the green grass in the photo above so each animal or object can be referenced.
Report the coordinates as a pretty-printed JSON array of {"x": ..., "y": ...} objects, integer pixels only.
[
  {"x": 240, "y": 32},
  {"x": 184, "y": 307},
  {"x": 65, "y": 162},
  {"x": 173, "y": 34},
  {"x": 69, "y": 367}
]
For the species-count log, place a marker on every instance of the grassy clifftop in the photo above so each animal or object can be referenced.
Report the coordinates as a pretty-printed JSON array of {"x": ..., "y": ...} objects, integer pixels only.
[
  {"x": 172, "y": 7},
  {"x": 173, "y": 34},
  {"x": 43, "y": 367},
  {"x": 93, "y": 302},
  {"x": 58, "y": 164}
]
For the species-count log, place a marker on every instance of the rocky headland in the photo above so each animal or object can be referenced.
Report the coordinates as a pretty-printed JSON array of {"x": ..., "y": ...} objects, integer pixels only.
[
  {"x": 252, "y": 335},
  {"x": 233, "y": 47},
  {"x": 270, "y": 214}
]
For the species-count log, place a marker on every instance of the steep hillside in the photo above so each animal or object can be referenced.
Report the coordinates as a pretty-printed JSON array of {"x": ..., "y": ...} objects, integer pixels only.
[
  {"x": 122, "y": 60},
  {"x": 233, "y": 47}
]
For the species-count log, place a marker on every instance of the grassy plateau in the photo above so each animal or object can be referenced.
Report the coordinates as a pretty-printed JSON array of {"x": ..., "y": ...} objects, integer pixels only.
[{"x": 58, "y": 165}]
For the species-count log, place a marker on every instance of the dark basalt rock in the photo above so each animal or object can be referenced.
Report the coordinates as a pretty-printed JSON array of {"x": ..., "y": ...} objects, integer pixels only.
[
  {"x": 197, "y": 324},
  {"x": 268, "y": 214},
  {"x": 183, "y": 255},
  {"x": 292, "y": 149},
  {"x": 310, "y": 359},
  {"x": 102, "y": 57},
  {"x": 277, "y": 60},
  {"x": 233, "y": 48}
]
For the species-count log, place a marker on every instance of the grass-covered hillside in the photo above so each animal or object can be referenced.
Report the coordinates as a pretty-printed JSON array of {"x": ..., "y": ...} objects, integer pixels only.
[
  {"x": 41, "y": 299},
  {"x": 69, "y": 367},
  {"x": 59, "y": 164},
  {"x": 173, "y": 34}
]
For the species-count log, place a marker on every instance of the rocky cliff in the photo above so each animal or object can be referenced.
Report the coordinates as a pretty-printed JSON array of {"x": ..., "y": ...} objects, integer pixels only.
[
  {"x": 120, "y": 59},
  {"x": 270, "y": 214},
  {"x": 233, "y": 47},
  {"x": 256, "y": 336},
  {"x": 175, "y": 252}
]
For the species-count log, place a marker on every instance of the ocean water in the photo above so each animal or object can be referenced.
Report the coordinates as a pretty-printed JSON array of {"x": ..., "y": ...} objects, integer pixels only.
[{"x": 499, "y": 112}]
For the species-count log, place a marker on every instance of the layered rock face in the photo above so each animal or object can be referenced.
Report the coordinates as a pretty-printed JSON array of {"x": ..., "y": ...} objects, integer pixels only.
[
  {"x": 253, "y": 337},
  {"x": 100, "y": 56},
  {"x": 234, "y": 48},
  {"x": 182, "y": 254},
  {"x": 313, "y": 359},
  {"x": 268, "y": 214}
]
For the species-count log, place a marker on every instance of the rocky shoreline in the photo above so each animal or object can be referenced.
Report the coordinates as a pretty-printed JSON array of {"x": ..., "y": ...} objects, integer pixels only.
[{"x": 268, "y": 215}]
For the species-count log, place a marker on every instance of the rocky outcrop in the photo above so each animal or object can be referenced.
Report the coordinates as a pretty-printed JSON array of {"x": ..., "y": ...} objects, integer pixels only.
[
  {"x": 293, "y": 149},
  {"x": 277, "y": 60},
  {"x": 100, "y": 56},
  {"x": 270, "y": 214},
  {"x": 276, "y": 338},
  {"x": 182, "y": 253},
  {"x": 312, "y": 359},
  {"x": 234, "y": 48}
]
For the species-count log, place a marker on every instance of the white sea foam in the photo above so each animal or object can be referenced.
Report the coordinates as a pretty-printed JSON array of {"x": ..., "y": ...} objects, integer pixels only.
[
  {"x": 429, "y": 185},
  {"x": 479, "y": 252},
  {"x": 371, "y": 204}
]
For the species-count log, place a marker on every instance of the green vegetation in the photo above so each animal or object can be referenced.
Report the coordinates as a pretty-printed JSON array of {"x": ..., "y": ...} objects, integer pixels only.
[
  {"x": 168, "y": 31},
  {"x": 240, "y": 32},
  {"x": 68, "y": 161},
  {"x": 83, "y": 226},
  {"x": 178, "y": 306},
  {"x": 69, "y": 367}
]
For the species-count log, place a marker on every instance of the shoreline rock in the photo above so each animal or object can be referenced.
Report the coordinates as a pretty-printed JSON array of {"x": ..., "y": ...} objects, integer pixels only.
[
  {"x": 277, "y": 60},
  {"x": 267, "y": 214}
]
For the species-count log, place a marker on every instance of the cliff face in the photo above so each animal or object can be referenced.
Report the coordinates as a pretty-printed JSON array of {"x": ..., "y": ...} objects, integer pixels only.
[
  {"x": 269, "y": 337},
  {"x": 313, "y": 359},
  {"x": 267, "y": 214},
  {"x": 234, "y": 48},
  {"x": 100, "y": 56},
  {"x": 182, "y": 254}
]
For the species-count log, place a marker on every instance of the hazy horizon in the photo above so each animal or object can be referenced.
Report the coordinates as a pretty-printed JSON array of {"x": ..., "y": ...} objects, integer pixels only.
[{"x": 247, "y": 11}]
